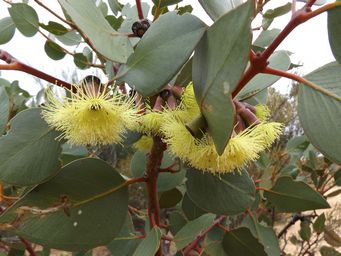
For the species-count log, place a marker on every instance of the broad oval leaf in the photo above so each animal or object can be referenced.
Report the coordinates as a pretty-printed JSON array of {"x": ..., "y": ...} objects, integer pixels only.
[
  {"x": 334, "y": 32},
  {"x": 190, "y": 209},
  {"x": 25, "y": 18},
  {"x": 265, "y": 235},
  {"x": 95, "y": 207},
  {"x": 105, "y": 39},
  {"x": 70, "y": 38},
  {"x": 115, "y": 6},
  {"x": 54, "y": 51},
  {"x": 266, "y": 37},
  {"x": 170, "y": 198},
  {"x": 288, "y": 195},
  {"x": 80, "y": 60},
  {"x": 240, "y": 241},
  {"x": 4, "y": 109},
  {"x": 279, "y": 60},
  {"x": 166, "y": 181},
  {"x": 320, "y": 114},
  {"x": 29, "y": 152},
  {"x": 216, "y": 8},
  {"x": 162, "y": 51},
  {"x": 189, "y": 232},
  {"x": 55, "y": 28},
  {"x": 7, "y": 30},
  {"x": 218, "y": 63},
  {"x": 126, "y": 242},
  {"x": 229, "y": 194},
  {"x": 150, "y": 244}
]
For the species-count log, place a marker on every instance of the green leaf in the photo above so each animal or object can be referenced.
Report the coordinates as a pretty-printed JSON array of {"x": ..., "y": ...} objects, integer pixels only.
[
  {"x": 329, "y": 251},
  {"x": 305, "y": 230},
  {"x": 265, "y": 235},
  {"x": 14, "y": 252},
  {"x": 29, "y": 152},
  {"x": 337, "y": 177},
  {"x": 105, "y": 39},
  {"x": 214, "y": 249},
  {"x": 320, "y": 114},
  {"x": 25, "y": 18},
  {"x": 54, "y": 51},
  {"x": 114, "y": 22},
  {"x": 95, "y": 207},
  {"x": 80, "y": 60},
  {"x": 4, "y": 109},
  {"x": 189, "y": 232},
  {"x": 218, "y": 63},
  {"x": 266, "y": 37},
  {"x": 319, "y": 223},
  {"x": 177, "y": 220},
  {"x": 240, "y": 241},
  {"x": 189, "y": 208},
  {"x": 126, "y": 241},
  {"x": 164, "y": 3},
  {"x": 55, "y": 28},
  {"x": 7, "y": 30},
  {"x": 279, "y": 11},
  {"x": 229, "y": 193},
  {"x": 115, "y": 6},
  {"x": 150, "y": 244},
  {"x": 170, "y": 198},
  {"x": 278, "y": 60},
  {"x": 166, "y": 181},
  {"x": 184, "y": 9},
  {"x": 288, "y": 195},
  {"x": 103, "y": 7},
  {"x": 70, "y": 38},
  {"x": 216, "y": 8},
  {"x": 163, "y": 49},
  {"x": 185, "y": 75},
  {"x": 72, "y": 152}
]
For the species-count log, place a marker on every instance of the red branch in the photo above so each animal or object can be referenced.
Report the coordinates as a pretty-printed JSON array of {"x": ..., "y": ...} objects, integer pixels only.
[
  {"x": 28, "y": 247},
  {"x": 259, "y": 61},
  {"x": 152, "y": 171},
  {"x": 14, "y": 64},
  {"x": 139, "y": 9},
  {"x": 202, "y": 234}
]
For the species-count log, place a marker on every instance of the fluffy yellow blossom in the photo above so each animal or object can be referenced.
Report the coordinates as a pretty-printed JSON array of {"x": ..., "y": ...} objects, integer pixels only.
[
  {"x": 201, "y": 154},
  {"x": 152, "y": 121},
  {"x": 91, "y": 116},
  {"x": 262, "y": 112},
  {"x": 144, "y": 144}
]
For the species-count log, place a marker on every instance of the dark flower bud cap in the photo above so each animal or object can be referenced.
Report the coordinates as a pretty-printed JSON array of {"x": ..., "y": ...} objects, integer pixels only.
[{"x": 140, "y": 27}]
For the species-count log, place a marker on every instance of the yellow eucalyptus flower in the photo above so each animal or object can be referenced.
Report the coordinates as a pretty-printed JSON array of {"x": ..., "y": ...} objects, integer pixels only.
[
  {"x": 152, "y": 121},
  {"x": 201, "y": 154},
  {"x": 144, "y": 144},
  {"x": 262, "y": 112},
  {"x": 91, "y": 116}
]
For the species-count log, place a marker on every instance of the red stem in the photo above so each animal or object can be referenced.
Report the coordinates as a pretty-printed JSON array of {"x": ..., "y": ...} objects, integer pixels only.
[
  {"x": 14, "y": 64},
  {"x": 202, "y": 234},
  {"x": 152, "y": 171},
  {"x": 259, "y": 62},
  {"x": 139, "y": 9},
  {"x": 28, "y": 247}
]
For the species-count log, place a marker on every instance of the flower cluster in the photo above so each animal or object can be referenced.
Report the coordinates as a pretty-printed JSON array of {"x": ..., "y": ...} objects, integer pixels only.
[
  {"x": 200, "y": 152},
  {"x": 92, "y": 115},
  {"x": 95, "y": 115}
]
